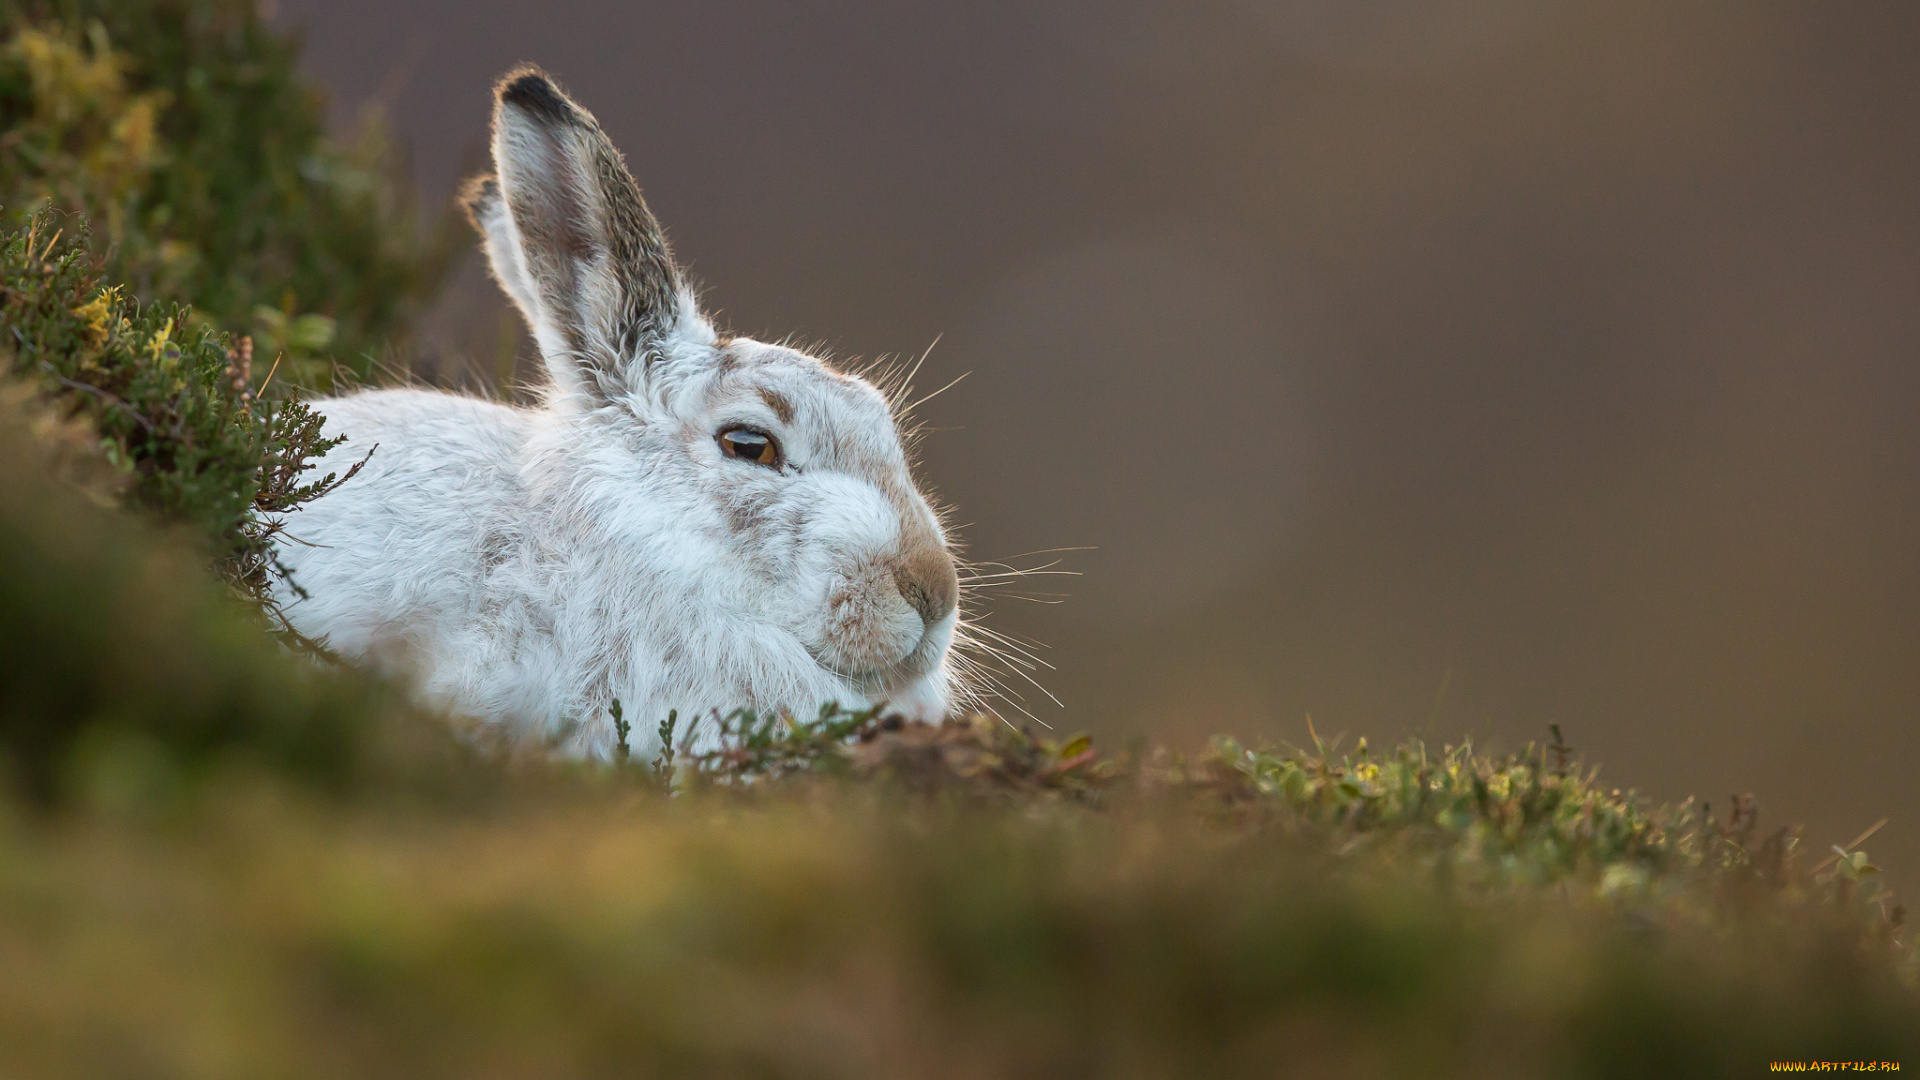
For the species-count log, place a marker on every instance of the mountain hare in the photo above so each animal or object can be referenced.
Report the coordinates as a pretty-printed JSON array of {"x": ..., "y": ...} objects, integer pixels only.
[{"x": 687, "y": 521}]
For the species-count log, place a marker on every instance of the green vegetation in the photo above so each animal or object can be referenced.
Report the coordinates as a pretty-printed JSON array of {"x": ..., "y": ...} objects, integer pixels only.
[
  {"x": 230, "y": 227},
  {"x": 172, "y": 402},
  {"x": 182, "y": 130},
  {"x": 218, "y": 859}
]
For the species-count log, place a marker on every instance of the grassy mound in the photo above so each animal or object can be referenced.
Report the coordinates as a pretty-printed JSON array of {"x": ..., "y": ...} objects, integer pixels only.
[{"x": 929, "y": 903}]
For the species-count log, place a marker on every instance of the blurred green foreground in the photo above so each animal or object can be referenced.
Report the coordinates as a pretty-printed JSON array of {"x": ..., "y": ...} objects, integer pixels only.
[{"x": 221, "y": 857}]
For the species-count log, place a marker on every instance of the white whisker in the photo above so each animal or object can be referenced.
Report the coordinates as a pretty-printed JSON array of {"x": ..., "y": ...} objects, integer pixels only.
[
  {"x": 1053, "y": 551},
  {"x": 989, "y": 663},
  {"x": 956, "y": 381},
  {"x": 1024, "y": 648},
  {"x": 906, "y": 381}
]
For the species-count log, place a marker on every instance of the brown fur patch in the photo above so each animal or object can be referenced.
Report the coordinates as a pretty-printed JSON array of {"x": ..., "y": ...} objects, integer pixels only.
[
  {"x": 778, "y": 402},
  {"x": 924, "y": 572}
]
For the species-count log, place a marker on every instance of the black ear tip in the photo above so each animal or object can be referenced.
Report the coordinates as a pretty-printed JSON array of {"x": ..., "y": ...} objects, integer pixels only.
[{"x": 529, "y": 88}]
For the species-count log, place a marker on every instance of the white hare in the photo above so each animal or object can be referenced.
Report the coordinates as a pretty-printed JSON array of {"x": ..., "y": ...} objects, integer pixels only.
[{"x": 687, "y": 521}]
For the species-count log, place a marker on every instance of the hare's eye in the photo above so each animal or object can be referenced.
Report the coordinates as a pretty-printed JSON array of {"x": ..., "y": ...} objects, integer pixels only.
[{"x": 750, "y": 445}]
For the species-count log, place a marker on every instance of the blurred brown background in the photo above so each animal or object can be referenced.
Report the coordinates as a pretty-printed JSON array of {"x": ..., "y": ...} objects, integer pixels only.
[{"x": 1448, "y": 367}]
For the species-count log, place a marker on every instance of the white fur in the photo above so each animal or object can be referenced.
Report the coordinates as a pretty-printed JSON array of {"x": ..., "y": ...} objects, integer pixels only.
[{"x": 531, "y": 565}]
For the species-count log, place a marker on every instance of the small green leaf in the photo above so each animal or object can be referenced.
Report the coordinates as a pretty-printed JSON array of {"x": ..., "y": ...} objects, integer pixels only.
[{"x": 310, "y": 333}]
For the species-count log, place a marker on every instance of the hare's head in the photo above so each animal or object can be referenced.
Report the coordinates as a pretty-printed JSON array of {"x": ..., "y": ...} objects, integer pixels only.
[{"x": 770, "y": 493}]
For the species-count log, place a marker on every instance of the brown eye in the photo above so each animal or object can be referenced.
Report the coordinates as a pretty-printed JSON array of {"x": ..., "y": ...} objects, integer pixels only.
[{"x": 750, "y": 445}]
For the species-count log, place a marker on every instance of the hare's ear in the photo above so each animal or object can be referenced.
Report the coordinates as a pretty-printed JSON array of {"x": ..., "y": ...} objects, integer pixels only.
[
  {"x": 572, "y": 242},
  {"x": 501, "y": 241}
]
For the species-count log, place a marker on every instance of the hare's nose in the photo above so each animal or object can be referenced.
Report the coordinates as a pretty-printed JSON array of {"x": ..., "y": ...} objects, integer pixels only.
[{"x": 928, "y": 581}]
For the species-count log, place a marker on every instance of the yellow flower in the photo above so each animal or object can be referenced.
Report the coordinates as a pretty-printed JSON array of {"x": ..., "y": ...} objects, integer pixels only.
[
  {"x": 98, "y": 314},
  {"x": 159, "y": 341}
]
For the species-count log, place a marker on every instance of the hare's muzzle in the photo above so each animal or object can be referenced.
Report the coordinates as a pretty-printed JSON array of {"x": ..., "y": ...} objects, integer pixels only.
[{"x": 929, "y": 582}]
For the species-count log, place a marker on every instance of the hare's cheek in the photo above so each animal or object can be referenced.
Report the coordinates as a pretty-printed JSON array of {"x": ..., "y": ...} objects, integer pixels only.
[
  {"x": 839, "y": 528},
  {"x": 752, "y": 516}
]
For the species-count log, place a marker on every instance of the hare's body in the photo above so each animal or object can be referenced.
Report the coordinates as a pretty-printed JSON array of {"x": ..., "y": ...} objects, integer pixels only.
[{"x": 686, "y": 522}]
